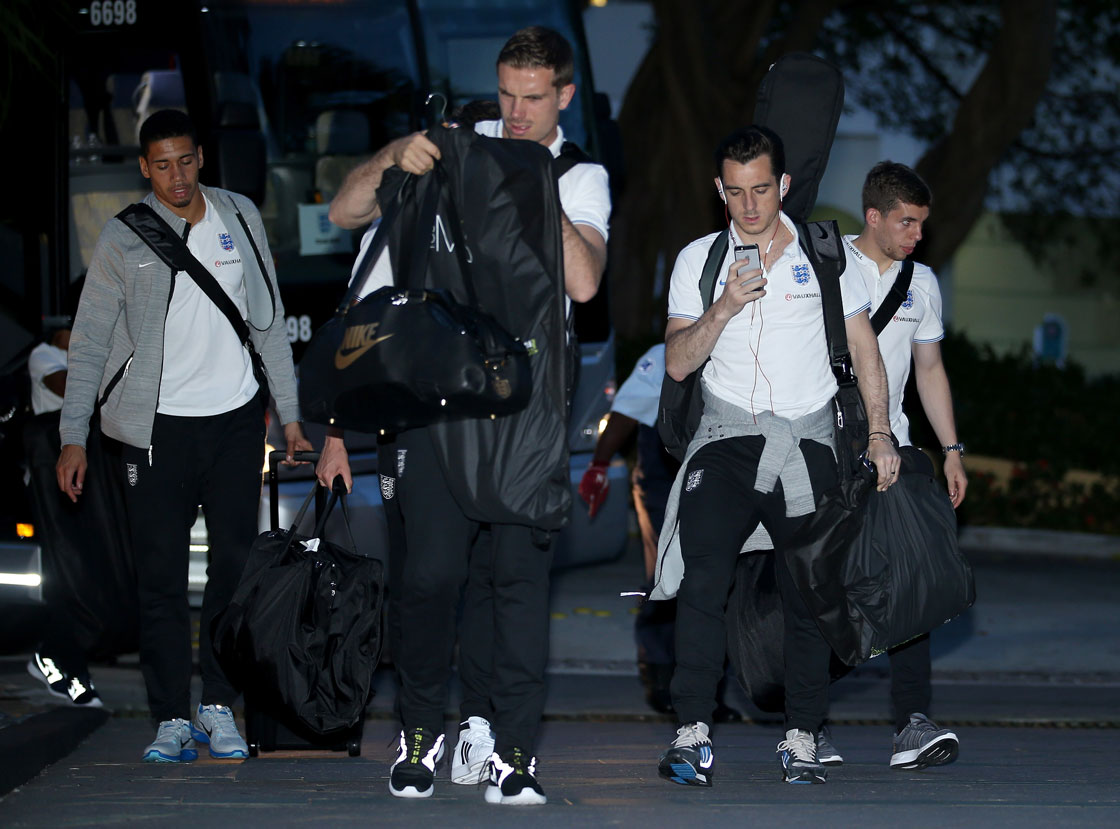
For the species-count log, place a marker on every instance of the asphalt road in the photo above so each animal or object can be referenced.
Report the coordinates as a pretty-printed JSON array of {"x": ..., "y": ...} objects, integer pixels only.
[{"x": 1029, "y": 679}]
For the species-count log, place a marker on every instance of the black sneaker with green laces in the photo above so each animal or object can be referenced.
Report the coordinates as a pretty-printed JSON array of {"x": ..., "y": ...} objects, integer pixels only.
[
  {"x": 513, "y": 779},
  {"x": 415, "y": 767}
]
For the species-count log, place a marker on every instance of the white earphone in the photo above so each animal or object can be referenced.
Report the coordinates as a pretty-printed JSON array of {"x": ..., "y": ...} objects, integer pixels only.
[
  {"x": 720, "y": 188},
  {"x": 785, "y": 186}
]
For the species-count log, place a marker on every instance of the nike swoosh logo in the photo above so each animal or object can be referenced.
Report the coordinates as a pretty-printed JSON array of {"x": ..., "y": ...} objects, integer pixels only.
[
  {"x": 145, "y": 264},
  {"x": 342, "y": 361}
]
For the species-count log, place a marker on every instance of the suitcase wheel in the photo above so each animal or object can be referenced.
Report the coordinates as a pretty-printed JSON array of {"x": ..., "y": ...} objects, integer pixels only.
[
  {"x": 354, "y": 747},
  {"x": 254, "y": 749}
]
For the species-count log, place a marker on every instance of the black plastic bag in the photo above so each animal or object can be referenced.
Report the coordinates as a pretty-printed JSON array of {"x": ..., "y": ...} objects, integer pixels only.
[
  {"x": 904, "y": 575},
  {"x": 877, "y": 569},
  {"x": 303, "y": 630}
]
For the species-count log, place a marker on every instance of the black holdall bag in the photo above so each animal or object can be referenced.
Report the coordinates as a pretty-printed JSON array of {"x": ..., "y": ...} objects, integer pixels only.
[
  {"x": 302, "y": 634},
  {"x": 405, "y": 357},
  {"x": 877, "y": 569}
]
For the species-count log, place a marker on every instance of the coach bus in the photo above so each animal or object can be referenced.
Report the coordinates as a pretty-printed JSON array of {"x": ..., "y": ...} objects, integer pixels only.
[{"x": 287, "y": 97}]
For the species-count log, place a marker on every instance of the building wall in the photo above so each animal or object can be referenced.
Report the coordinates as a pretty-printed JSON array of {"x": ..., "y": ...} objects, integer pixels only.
[{"x": 1001, "y": 295}]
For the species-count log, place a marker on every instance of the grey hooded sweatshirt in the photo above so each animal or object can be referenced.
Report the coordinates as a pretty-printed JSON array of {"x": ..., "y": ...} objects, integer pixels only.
[{"x": 118, "y": 330}]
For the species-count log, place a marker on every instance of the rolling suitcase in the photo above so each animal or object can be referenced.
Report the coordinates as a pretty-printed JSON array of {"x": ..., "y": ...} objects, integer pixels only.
[{"x": 269, "y": 724}]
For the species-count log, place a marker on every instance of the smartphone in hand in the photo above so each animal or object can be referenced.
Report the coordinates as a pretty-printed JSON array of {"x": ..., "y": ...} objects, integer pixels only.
[{"x": 749, "y": 259}]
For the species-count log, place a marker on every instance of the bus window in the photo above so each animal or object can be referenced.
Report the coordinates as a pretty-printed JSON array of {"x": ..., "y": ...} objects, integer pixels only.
[
  {"x": 326, "y": 85},
  {"x": 110, "y": 92}
]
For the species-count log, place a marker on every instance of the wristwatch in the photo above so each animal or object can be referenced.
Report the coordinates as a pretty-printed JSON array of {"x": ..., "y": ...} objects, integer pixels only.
[{"x": 953, "y": 447}]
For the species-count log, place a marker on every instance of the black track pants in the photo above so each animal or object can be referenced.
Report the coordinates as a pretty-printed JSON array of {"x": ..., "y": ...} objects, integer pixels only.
[
  {"x": 910, "y": 680},
  {"x": 716, "y": 516},
  {"x": 214, "y": 462},
  {"x": 504, "y": 642}
]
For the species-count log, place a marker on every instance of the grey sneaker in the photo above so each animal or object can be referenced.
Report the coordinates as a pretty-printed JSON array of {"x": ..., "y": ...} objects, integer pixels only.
[
  {"x": 827, "y": 755},
  {"x": 214, "y": 726},
  {"x": 797, "y": 755},
  {"x": 689, "y": 759},
  {"x": 922, "y": 743},
  {"x": 173, "y": 743},
  {"x": 472, "y": 752}
]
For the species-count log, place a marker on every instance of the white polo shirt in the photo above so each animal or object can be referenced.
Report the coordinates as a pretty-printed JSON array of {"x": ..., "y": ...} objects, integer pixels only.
[
  {"x": 585, "y": 197},
  {"x": 206, "y": 369},
  {"x": 43, "y": 361},
  {"x": 917, "y": 320},
  {"x": 773, "y": 355},
  {"x": 640, "y": 394}
]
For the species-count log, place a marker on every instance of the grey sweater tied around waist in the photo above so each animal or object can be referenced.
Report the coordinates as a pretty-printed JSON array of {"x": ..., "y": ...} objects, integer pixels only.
[{"x": 781, "y": 460}]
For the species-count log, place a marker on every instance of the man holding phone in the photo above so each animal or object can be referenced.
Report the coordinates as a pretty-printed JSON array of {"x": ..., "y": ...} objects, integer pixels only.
[{"x": 763, "y": 452}]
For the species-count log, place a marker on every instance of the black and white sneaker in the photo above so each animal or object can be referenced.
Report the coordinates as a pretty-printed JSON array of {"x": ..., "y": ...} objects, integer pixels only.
[
  {"x": 797, "y": 755},
  {"x": 80, "y": 691},
  {"x": 46, "y": 670},
  {"x": 923, "y": 743},
  {"x": 689, "y": 759},
  {"x": 513, "y": 780},
  {"x": 414, "y": 769}
]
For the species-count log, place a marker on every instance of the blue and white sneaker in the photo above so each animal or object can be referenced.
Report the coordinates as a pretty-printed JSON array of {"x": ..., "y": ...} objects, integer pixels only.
[
  {"x": 797, "y": 755},
  {"x": 173, "y": 743},
  {"x": 214, "y": 726},
  {"x": 689, "y": 759}
]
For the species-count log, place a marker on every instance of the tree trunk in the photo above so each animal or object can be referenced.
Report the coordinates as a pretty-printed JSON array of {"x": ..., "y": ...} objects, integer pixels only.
[{"x": 991, "y": 115}]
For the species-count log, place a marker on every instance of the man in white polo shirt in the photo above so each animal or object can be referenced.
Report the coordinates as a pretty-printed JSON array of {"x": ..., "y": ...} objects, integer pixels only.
[
  {"x": 504, "y": 643},
  {"x": 173, "y": 383},
  {"x": 763, "y": 453},
  {"x": 896, "y": 203}
]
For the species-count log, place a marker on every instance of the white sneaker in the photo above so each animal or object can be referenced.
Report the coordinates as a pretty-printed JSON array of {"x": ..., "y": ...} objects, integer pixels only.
[
  {"x": 472, "y": 752},
  {"x": 214, "y": 726}
]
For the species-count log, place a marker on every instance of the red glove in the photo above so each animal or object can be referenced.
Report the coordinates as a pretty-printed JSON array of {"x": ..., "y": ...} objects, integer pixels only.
[{"x": 594, "y": 486}]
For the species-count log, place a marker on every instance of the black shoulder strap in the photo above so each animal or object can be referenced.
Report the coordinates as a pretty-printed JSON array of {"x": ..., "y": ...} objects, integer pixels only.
[
  {"x": 821, "y": 243},
  {"x": 571, "y": 154},
  {"x": 894, "y": 298},
  {"x": 173, "y": 251},
  {"x": 711, "y": 268}
]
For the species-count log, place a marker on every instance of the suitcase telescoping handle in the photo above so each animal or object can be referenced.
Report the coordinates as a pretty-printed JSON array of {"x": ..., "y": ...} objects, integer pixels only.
[{"x": 275, "y": 458}]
